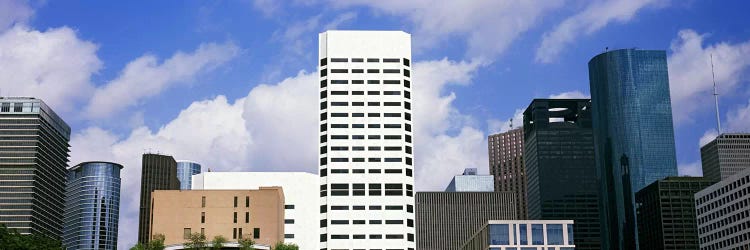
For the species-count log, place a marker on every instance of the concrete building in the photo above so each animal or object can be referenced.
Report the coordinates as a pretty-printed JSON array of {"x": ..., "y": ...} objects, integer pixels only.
[
  {"x": 633, "y": 134},
  {"x": 726, "y": 155},
  {"x": 33, "y": 165},
  {"x": 561, "y": 171},
  {"x": 469, "y": 181},
  {"x": 723, "y": 213},
  {"x": 158, "y": 172},
  {"x": 445, "y": 220},
  {"x": 301, "y": 193},
  {"x": 366, "y": 140},
  {"x": 524, "y": 235},
  {"x": 506, "y": 164},
  {"x": 233, "y": 214},
  {"x": 666, "y": 213},
  {"x": 92, "y": 206},
  {"x": 185, "y": 171}
]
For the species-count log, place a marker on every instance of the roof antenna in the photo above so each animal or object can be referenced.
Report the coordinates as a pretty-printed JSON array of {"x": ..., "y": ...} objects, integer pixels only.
[
  {"x": 716, "y": 95},
  {"x": 511, "y": 123}
]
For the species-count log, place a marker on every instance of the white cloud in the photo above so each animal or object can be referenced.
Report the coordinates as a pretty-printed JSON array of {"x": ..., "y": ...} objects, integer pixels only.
[
  {"x": 570, "y": 95},
  {"x": 54, "y": 65},
  {"x": 14, "y": 12},
  {"x": 145, "y": 77},
  {"x": 497, "y": 126},
  {"x": 707, "y": 137},
  {"x": 690, "y": 169},
  {"x": 594, "y": 17},
  {"x": 690, "y": 72},
  {"x": 739, "y": 119}
]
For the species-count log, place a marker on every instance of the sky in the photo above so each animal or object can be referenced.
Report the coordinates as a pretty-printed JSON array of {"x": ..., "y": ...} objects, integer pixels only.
[{"x": 232, "y": 84}]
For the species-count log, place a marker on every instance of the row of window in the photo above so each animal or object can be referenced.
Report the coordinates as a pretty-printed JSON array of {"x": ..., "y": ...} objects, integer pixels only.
[
  {"x": 324, "y": 72},
  {"x": 373, "y": 189},
  {"x": 324, "y": 116},
  {"x": 324, "y": 172},
  {"x": 410, "y": 222},
  {"x": 324, "y": 61},
  {"x": 324, "y": 83},
  {"x": 324, "y": 104},
  {"x": 247, "y": 201},
  {"x": 409, "y": 208},
  {"x": 323, "y": 94},
  {"x": 407, "y": 149},
  {"x": 324, "y": 237},
  {"x": 727, "y": 188},
  {"x": 407, "y": 160},
  {"x": 236, "y": 233},
  {"x": 371, "y": 125},
  {"x": 234, "y": 217},
  {"x": 324, "y": 138}
]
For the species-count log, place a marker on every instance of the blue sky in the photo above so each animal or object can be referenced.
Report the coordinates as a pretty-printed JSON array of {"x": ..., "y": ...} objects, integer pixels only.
[{"x": 231, "y": 84}]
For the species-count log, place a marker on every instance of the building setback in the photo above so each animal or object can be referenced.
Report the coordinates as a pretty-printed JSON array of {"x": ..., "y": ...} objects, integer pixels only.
[
  {"x": 158, "y": 172},
  {"x": 234, "y": 214},
  {"x": 633, "y": 134},
  {"x": 92, "y": 206},
  {"x": 366, "y": 140},
  {"x": 560, "y": 166},
  {"x": 723, "y": 213},
  {"x": 506, "y": 164},
  {"x": 446, "y": 220},
  {"x": 469, "y": 181},
  {"x": 33, "y": 162},
  {"x": 726, "y": 155},
  {"x": 185, "y": 172},
  {"x": 666, "y": 213},
  {"x": 524, "y": 235}
]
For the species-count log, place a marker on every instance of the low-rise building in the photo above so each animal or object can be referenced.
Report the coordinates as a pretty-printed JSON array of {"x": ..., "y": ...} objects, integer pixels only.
[
  {"x": 523, "y": 235},
  {"x": 723, "y": 213},
  {"x": 470, "y": 181}
]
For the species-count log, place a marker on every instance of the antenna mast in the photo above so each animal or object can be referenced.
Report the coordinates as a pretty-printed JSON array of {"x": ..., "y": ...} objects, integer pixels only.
[{"x": 716, "y": 96}]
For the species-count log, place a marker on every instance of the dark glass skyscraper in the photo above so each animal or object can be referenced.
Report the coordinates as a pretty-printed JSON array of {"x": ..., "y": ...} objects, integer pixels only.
[
  {"x": 560, "y": 166},
  {"x": 633, "y": 134},
  {"x": 185, "y": 172},
  {"x": 33, "y": 161},
  {"x": 158, "y": 172},
  {"x": 92, "y": 206}
]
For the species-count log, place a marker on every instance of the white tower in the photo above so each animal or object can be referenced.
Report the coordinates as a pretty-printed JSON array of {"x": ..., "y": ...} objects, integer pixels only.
[{"x": 366, "y": 164}]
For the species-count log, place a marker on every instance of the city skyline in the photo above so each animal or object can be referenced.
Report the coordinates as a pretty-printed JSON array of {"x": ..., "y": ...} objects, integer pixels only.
[{"x": 195, "y": 82}]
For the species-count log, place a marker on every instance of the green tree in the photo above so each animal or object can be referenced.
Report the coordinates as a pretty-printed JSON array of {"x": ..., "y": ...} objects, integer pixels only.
[
  {"x": 157, "y": 242},
  {"x": 11, "y": 239},
  {"x": 218, "y": 242},
  {"x": 138, "y": 246},
  {"x": 246, "y": 242},
  {"x": 285, "y": 246},
  {"x": 196, "y": 241}
]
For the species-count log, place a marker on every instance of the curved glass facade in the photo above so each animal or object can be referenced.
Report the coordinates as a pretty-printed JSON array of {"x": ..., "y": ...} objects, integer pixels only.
[
  {"x": 92, "y": 206},
  {"x": 633, "y": 134},
  {"x": 185, "y": 172}
]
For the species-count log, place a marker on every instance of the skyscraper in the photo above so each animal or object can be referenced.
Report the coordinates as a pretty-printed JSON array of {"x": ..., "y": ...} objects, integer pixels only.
[
  {"x": 158, "y": 172},
  {"x": 185, "y": 172},
  {"x": 560, "y": 166},
  {"x": 723, "y": 213},
  {"x": 33, "y": 161},
  {"x": 633, "y": 134},
  {"x": 506, "y": 164},
  {"x": 469, "y": 181},
  {"x": 366, "y": 140},
  {"x": 726, "y": 155},
  {"x": 92, "y": 206}
]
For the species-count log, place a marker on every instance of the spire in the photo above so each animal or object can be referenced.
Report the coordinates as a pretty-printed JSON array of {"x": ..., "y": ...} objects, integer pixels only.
[{"x": 716, "y": 96}]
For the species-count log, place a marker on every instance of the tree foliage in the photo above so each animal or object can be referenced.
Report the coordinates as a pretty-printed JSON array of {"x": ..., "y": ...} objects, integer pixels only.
[
  {"x": 196, "y": 241},
  {"x": 246, "y": 242},
  {"x": 156, "y": 243},
  {"x": 11, "y": 240},
  {"x": 218, "y": 242},
  {"x": 285, "y": 246}
]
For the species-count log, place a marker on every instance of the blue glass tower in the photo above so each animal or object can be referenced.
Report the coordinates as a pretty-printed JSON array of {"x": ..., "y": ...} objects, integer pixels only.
[
  {"x": 92, "y": 206},
  {"x": 633, "y": 134},
  {"x": 185, "y": 172}
]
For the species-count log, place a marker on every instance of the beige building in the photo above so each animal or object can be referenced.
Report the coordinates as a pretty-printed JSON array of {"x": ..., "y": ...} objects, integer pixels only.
[{"x": 231, "y": 213}]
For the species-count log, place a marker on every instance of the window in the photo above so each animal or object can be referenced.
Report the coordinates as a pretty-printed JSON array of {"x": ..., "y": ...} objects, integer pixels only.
[
  {"x": 339, "y": 189},
  {"x": 339, "y": 149},
  {"x": 235, "y": 217},
  {"x": 358, "y": 82},
  {"x": 203, "y": 231},
  {"x": 339, "y": 159},
  {"x": 537, "y": 234},
  {"x": 186, "y": 233},
  {"x": 393, "y": 171},
  {"x": 394, "y": 207},
  {"x": 358, "y": 104},
  {"x": 339, "y": 92},
  {"x": 392, "y": 159},
  {"x": 554, "y": 234},
  {"x": 373, "y": 60},
  {"x": 358, "y": 189},
  {"x": 393, "y": 189},
  {"x": 339, "y": 81},
  {"x": 256, "y": 233},
  {"x": 289, "y": 221},
  {"x": 339, "y": 222},
  {"x": 394, "y": 236},
  {"x": 392, "y": 125},
  {"x": 239, "y": 233},
  {"x": 358, "y": 236},
  {"x": 373, "y": 71},
  {"x": 391, "y": 82},
  {"x": 323, "y": 62},
  {"x": 407, "y": 94},
  {"x": 247, "y": 217},
  {"x": 373, "y": 137},
  {"x": 358, "y": 137},
  {"x": 407, "y": 105},
  {"x": 339, "y": 125},
  {"x": 358, "y": 114},
  {"x": 339, "y": 60},
  {"x": 406, "y": 72},
  {"x": 203, "y": 217},
  {"x": 373, "y": 92},
  {"x": 391, "y": 104},
  {"x": 323, "y": 83},
  {"x": 375, "y": 189},
  {"x": 358, "y": 207},
  {"x": 391, "y": 114},
  {"x": 407, "y": 83},
  {"x": 499, "y": 234},
  {"x": 570, "y": 234},
  {"x": 323, "y": 72},
  {"x": 339, "y": 114},
  {"x": 376, "y": 208},
  {"x": 376, "y": 222},
  {"x": 373, "y": 103},
  {"x": 376, "y": 236},
  {"x": 374, "y": 171},
  {"x": 406, "y": 62},
  {"x": 391, "y": 60},
  {"x": 235, "y": 202},
  {"x": 339, "y": 71},
  {"x": 339, "y": 137},
  {"x": 234, "y": 233},
  {"x": 358, "y": 92},
  {"x": 358, "y": 71},
  {"x": 339, "y": 207},
  {"x": 392, "y": 137},
  {"x": 288, "y": 236},
  {"x": 391, "y": 71},
  {"x": 522, "y": 234},
  {"x": 373, "y": 81},
  {"x": 203, "y": 201},
  {"x": 373, "y": 114},
  {"x": 394, "y": 222},
  {"x": 357, "y": 60},
  {"x": 339, "y": 104},
  {"x": 373, "y": 148},
  {"x": 392, "y": 148}
]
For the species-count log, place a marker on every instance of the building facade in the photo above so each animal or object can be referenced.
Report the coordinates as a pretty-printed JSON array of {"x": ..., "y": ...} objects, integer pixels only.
[
  {"x": 34, "y": 152},
  {"x": 445, "y": 220},
  {"x": 633, "y": 134},
  {"x": 506, "y": 164},
  {"x": 92, "y": 206},
  {"x": 666, "y": 213},
  {"x": 185, "y": 172},
  {"x": 726, "y": 155},
  {"x": 470, "y": 181},
  {"x": 234, "y": 214},
  {"x": 366, "y": 140},
  {"x": 523, "y": 235},
  {"x": 560, "y": 166},
  {"x": 723, "y": 213},
  {"x": 301, "y": 197},
  {"x": 158, "y": 172}
]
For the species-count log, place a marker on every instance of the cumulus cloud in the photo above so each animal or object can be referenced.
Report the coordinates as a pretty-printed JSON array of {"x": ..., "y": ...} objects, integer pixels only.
[
  {"x": 54, "y": 65},
  {"x": 690, "y": 169},
  {"x": 739, "y": 119},
  {"x": 707, "y": 137},
  {"x": 690, "y": 79},
  {"x": 145, "y": 77},
  {"x": 14, "y": 12},
  {"x": 570, "y": 95},
  {"x": 498, "y": 126},
  {"x": 594, "y": 17}
]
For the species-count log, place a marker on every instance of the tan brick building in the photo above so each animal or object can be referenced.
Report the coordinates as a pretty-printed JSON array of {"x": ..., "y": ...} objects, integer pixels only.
[{"x": 230, "y": 213}]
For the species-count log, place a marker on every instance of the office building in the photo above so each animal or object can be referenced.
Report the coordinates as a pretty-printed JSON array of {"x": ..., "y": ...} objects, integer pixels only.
[
  {"x": 445, "y": 220},
  {"x": 524, "y": 235},
  {"x": 633, "y": 134},
  {"x": 469, "y": 181},
  {"x": 92, "y": 206},
  {"x": 185, "y": 172},
  {"x": 560, "y": 166},
  {"x": 726, "y": 155},
  {"x": 33, "y": 165},
  {"x": 666, "y": 213},
  {"x": 158, "y": 172},
  {"x": 366, "y": 140},
  {"x": 233, "y": 214},
  {"x": 301, "y": 197},
  {"x": 506, "y": 164},
  {"x": 723, "y": 213}
]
